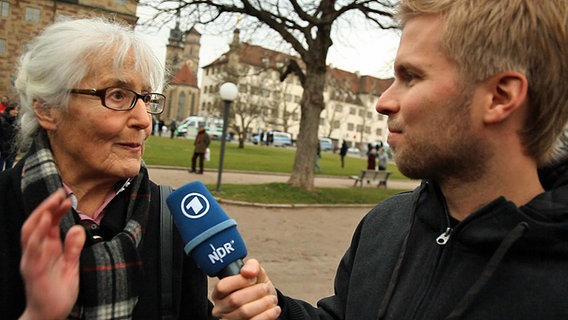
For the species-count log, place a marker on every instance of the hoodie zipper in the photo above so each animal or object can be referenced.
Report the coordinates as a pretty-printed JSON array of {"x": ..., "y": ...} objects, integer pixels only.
[{"x": 445, "y": 236}]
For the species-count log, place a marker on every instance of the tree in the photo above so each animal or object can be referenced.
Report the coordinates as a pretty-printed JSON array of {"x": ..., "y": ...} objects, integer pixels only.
[{"x": 306, "y": 26}]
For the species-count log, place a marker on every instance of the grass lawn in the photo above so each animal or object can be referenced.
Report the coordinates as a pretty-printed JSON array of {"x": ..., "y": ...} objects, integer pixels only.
[{"x": 177, "y": 152}]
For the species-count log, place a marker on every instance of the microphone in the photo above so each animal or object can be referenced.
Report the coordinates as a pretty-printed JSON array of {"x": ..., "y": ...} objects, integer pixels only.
[{"x": 210, "y": 236}]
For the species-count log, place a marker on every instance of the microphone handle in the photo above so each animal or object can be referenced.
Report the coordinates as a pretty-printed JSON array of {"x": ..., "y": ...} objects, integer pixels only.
[{"x": 231, "y": 269}]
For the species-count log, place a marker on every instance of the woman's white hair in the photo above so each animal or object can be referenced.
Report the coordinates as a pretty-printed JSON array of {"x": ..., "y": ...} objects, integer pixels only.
[{"x": 67, "y": 52}]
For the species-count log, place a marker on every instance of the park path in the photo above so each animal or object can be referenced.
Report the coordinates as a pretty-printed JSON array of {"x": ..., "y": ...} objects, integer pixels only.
[{"x": 178, "y": 176}]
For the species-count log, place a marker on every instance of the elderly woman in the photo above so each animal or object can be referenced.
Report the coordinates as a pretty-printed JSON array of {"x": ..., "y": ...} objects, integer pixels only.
[{"x": 92, "y": 249}]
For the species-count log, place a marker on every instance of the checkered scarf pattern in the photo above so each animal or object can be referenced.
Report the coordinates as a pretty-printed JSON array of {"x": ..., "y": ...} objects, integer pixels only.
[{"x": 111, "y": 271}]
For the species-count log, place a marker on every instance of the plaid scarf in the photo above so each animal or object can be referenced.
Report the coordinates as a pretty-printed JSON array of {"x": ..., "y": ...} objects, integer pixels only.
[{"x": 111, "y": 271}]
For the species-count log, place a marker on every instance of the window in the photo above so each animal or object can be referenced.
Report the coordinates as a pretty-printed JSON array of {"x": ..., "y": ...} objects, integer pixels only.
[
  {"x": 352, "y": 110},
  {"x": 339, "y": 108},
  {"x": 369, "y": 114},
  {"x": 367, "y": 130},
  {"x": 361, "y": 113},
  {"x": 63, "y": 17},
  {"x": 336, "y": 124},
  {"x": 3, "y": 49},
  {"x": 32, "y": 15},
  {"x": 359, "y": 127},
  {"x": 4, "y": 9},
  {"x": 350, "y": 126},
  {"x": 379, "y": 132}
]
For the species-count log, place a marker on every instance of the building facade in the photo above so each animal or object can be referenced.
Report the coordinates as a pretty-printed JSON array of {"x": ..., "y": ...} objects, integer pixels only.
[
  {"x": 22, "y": 20},
  {"x": 182, "y": 63},
  {"x": 266, "y": 103}
]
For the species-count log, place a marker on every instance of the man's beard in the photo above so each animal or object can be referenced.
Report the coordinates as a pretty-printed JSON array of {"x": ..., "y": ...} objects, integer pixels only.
[{"x": 455, "y": 152}]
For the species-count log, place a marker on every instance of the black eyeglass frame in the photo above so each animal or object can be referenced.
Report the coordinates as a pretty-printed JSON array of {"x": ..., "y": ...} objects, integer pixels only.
[{"x": 101, "y": 93}]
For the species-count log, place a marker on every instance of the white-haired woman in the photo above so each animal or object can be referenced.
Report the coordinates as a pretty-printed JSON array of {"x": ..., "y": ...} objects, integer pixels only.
[{"x": 92, "y": 249}]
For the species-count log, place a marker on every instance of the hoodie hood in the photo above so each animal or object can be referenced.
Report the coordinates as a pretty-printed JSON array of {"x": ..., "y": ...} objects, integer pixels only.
[{"x": 555, "y": 176}]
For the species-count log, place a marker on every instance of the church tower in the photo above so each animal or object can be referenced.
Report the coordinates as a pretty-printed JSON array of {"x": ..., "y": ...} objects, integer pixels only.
[
  {"x": 174, "y": 48},
  {"x": 182, "y": 64},
  {"x": 192, "y": 46}
]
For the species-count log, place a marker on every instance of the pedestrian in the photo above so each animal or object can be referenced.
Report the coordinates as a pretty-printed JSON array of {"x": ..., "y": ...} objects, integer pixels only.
[
  {"x": 343, "y": 153},
  {"x": 472, "y": 113},
  {"x": 371, "y": 159},
  {"x": 173, "y": 128},
  {"x": 318, "y": 156},
  {"x": 383, "y": 159},
  {"x": 161, "y": 127},
  {"x": 201, "y": 144},
  {"x": 79, "y": 215},
  {"x": 8, "y": 133},
  {"x": 4, "y": 103}
]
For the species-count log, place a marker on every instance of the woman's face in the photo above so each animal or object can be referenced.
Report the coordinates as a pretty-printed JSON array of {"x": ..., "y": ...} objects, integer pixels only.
[{"x": 90, "y": 141}]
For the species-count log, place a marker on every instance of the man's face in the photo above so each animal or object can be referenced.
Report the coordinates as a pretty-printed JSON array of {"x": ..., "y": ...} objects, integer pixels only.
[{"x": 430, "y": 110}]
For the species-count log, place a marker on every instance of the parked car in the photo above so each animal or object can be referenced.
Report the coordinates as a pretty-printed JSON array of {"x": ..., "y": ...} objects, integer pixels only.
[
  {"x": 279, "y": 139},
  {"x": 354, "y": 150},
  {"x": 190, "y": 126},
  {"x": 325, "y": 144}
]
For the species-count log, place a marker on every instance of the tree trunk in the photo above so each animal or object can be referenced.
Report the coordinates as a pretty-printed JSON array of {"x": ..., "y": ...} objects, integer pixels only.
[{"x": 312, "y": 104}]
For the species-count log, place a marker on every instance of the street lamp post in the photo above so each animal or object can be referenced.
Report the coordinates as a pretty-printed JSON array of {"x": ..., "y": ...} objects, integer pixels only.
[{"x": 228, "y": 92}]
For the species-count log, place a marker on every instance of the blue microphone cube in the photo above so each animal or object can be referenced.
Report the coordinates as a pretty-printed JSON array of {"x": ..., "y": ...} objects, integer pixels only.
[{"x": 210, "y": 236}]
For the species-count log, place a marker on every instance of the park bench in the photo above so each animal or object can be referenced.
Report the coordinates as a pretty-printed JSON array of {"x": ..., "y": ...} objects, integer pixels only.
[{"x": 373, "y": 176}]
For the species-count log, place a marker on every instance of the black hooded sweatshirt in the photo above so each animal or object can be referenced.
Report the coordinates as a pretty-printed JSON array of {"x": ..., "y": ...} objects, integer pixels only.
[{"x": 501, "y": 262}]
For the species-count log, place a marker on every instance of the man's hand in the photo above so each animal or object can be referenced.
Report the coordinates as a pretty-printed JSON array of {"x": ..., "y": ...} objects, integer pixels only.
[
  {"x": 49, "y": 267},
  {"x": 249, "y": 295}
]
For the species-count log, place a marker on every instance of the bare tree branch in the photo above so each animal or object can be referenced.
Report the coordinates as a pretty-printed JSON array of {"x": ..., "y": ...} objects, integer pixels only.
[{"x": 306, "y": 26}]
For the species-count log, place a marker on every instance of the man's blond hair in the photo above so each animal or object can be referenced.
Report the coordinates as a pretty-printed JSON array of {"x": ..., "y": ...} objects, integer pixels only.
[{"x": 486, "y": 37}]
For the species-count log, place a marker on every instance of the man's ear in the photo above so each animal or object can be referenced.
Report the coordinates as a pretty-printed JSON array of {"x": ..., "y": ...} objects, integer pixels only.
[
  {"x": 509, "y": 92},
  {"x": 44, "y": 115}
]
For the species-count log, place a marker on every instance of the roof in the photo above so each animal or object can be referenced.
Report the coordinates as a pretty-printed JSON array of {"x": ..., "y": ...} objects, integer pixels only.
[
  {"x": 345, "y": 81},
  {"x": 184, "y": 76},
  {"x": 258, "y": 56}
]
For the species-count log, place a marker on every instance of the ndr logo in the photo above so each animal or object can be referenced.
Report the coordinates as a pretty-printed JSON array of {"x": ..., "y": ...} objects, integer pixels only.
[
  {"x": 194, "y": 205},
  {"x": 217, "y": 254}
]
